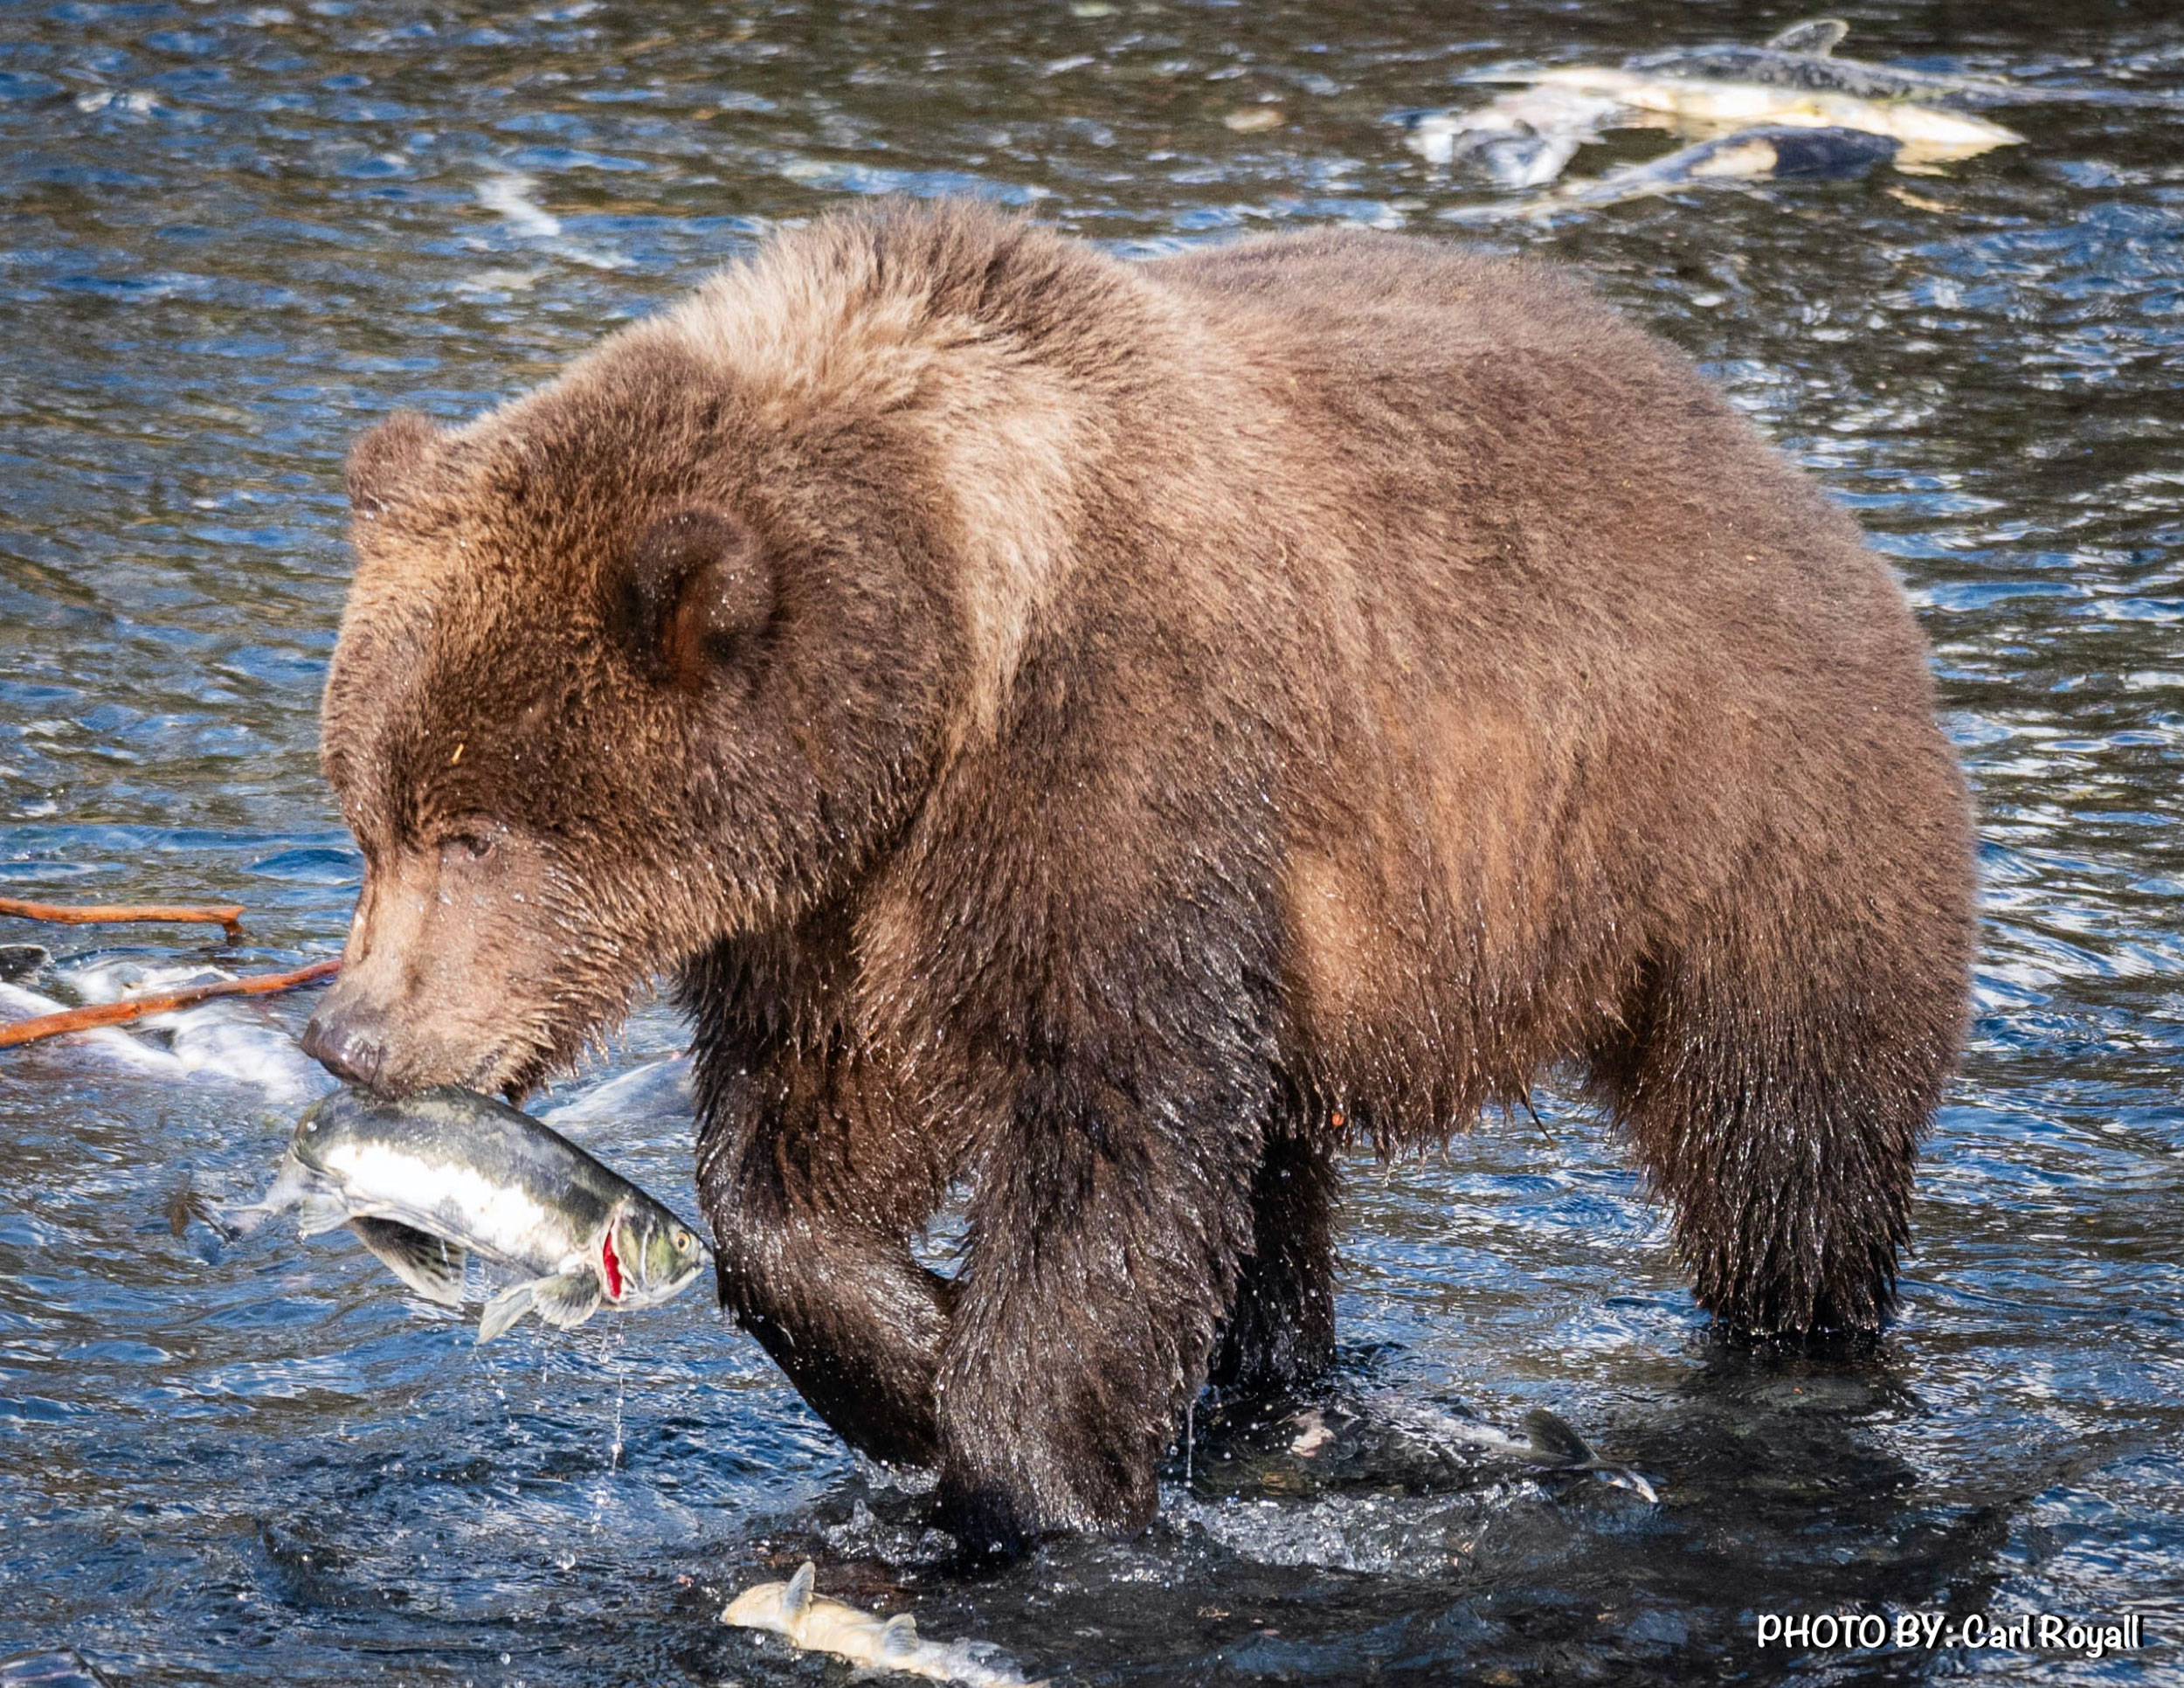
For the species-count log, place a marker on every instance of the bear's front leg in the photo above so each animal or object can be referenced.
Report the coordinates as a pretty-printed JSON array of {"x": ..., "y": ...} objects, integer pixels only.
[
  {"x": 812, "y": 1206},
  {"x": 1280, "y": 1332},
  {"x": 1110, "y": 1210}
]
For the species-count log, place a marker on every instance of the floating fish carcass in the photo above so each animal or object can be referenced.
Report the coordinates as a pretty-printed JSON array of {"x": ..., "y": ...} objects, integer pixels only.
[
  {"x": 1524, "y": 138},
  {"x": 1928, "y": 133},
  {"x": 791, "y": 1610},
  {"x": 426, "y": 1180}
]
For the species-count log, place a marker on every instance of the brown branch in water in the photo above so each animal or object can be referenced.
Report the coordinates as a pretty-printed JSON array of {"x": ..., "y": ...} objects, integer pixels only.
[
  {"x": 137, "y": 1007},
  {"x": 229, "y": 914}
]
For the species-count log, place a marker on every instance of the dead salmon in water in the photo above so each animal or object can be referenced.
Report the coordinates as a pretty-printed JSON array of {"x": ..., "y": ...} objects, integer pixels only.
[
  {"x": 876, "y": 1643},
  {"x": 428, "y": 1179}
]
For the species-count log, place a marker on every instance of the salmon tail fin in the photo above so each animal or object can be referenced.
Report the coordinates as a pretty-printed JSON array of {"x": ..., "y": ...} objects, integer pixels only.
[
  {"x": 566, "y": 1299},
  {"x": 315, "y": 1200},
  {"x": 1552, "y": 1438},
  {"x": 230, "y": 1223}
]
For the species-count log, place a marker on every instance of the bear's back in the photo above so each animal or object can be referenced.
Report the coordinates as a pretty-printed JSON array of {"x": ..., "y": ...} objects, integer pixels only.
[
  {"x": 1585, "y": 642},
  {"x": 1515, "y": 472}
]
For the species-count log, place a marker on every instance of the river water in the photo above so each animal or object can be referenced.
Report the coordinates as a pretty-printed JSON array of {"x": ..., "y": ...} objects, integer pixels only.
[{"x": 233, "y": 235}]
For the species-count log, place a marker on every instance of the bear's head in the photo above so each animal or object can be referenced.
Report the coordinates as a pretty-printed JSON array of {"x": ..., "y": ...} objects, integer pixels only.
[
  {"x": 656, "y": 654},
  {"x": 669, "y": 650}
]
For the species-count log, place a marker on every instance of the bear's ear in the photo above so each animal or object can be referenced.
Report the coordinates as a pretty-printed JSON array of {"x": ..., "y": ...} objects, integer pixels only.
[
  {"x": 695, "y": 587},
  {"x": 388, "y": 459}
]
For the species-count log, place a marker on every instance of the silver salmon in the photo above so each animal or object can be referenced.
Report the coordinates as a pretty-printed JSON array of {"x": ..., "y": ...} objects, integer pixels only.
[{"x": 428, "y": 1179}]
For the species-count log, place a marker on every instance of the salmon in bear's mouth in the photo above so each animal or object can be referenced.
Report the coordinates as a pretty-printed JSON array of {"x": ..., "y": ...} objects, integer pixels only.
[{"x": 612, "y": 1265}]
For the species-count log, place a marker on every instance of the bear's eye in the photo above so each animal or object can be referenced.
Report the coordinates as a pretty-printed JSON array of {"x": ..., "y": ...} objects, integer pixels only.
[{"x": 465, "y": 847}]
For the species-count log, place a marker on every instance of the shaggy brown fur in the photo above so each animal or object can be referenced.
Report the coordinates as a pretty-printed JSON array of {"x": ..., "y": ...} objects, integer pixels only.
[{"x": 1107, "y": 733}]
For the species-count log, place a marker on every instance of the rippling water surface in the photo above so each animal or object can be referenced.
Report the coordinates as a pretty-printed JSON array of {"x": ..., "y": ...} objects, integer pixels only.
[{"x": 231, "y": 236}]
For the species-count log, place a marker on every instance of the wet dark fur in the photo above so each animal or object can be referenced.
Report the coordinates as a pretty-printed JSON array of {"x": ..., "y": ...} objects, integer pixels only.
[{"x": 1108, "y": 733}]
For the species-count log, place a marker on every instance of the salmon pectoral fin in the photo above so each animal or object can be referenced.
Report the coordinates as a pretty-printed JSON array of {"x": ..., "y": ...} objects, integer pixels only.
[
  {"x": 431, "y": 1265},
  {"x": 562, "y": 1300},
  {"x": 504, "y": 1309},
  {"x": 567, "y": 1299},
  {"x": 898, "y": 1638}
]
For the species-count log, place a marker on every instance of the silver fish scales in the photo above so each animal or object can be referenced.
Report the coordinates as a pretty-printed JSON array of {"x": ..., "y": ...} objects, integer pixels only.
[{"x": 427, "y": 1180}]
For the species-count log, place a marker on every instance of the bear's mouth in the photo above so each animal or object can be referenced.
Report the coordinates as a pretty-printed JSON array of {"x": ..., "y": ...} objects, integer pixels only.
[{"x": 508, "y": 1074}]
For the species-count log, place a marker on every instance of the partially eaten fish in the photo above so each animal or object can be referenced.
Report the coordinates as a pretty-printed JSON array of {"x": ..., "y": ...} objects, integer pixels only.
[
  {"x": 1523, "y": 138},
  {"x": 1927, "y": 134},
  {"x": 875, "y": 1644},
  {"x": 428, "y": 1179},
  {"x": 1769, "y": 153}
]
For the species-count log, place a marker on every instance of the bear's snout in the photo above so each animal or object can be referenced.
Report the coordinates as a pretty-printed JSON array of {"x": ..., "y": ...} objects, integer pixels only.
[
  {"x": 450, "y": 975},
  {"x": 349, "y": 1041}
]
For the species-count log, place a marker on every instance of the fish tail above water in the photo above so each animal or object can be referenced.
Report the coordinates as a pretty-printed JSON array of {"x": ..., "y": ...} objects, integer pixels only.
[
  {"x": 1519, "y": 139},
  {"x": 1546, "y": 1439},
  {"x": 314, "y": 1201},
  {"x": 1553, "y": 1437},
  {"x": 1554, "y": 1440}
]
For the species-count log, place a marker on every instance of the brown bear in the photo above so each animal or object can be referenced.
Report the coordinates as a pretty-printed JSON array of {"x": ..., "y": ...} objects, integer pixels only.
[{"x": 1112, "y": 734}]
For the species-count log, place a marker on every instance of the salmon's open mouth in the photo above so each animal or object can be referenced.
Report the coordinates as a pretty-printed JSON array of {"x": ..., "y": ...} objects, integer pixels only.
[{"x": 610, "y": 1265}]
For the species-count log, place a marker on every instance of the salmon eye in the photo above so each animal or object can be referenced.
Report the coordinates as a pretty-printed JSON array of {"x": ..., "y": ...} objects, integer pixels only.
[{"x": 682, "y": 1242}]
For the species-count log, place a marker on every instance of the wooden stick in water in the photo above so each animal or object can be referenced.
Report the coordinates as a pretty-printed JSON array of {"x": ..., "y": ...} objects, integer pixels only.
[
  {"x": 136, "y": 1007},
  {"x": 229, "y": 914}
]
